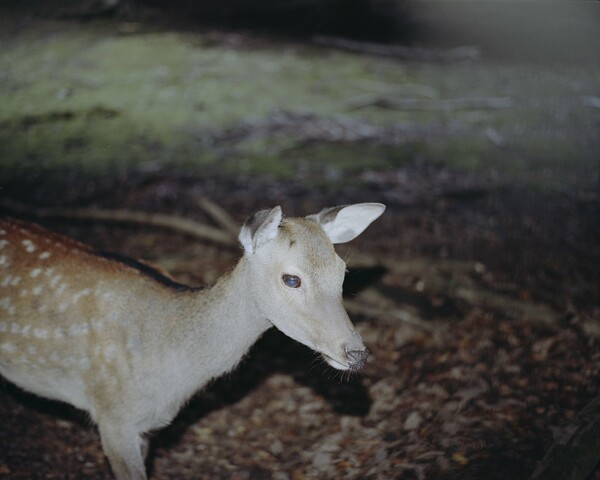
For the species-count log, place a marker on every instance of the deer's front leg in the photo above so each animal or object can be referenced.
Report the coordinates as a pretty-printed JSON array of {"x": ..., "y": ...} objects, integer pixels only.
[{"x": 125, "y": 449}]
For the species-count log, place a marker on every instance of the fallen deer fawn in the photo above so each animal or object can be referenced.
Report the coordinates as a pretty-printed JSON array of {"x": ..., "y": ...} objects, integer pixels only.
[{"x": 129, "y": 346}]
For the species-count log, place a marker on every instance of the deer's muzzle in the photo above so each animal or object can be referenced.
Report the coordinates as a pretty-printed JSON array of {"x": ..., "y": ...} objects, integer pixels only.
[{"x": 357, "y": 358}]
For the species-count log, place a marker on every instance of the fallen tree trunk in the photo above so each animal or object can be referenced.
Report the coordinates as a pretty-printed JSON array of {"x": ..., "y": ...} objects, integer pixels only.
[{"x": 576, "y": 451}]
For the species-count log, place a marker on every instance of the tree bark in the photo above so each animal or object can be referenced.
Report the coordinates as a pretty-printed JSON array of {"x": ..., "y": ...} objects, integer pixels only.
[{"x": 576, "y": 450}]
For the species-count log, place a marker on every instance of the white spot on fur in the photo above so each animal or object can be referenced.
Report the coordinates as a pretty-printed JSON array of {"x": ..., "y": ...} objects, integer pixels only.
[
  {"x": 108, "y": 296},
  {"x": 2, "y": 231},
  {"x": 61, "y": 288},
  {"x": 73, "y": 330},
  {"x": 37, "y": 290},
  {"x": 35, "y": 272},
  {"x": 82, "y": 329},
  {"x": 82, "y": 293},
  {"x": 41, "y": 333},
  {"x": 26, "y": 330},
  {"x": 54, "y": 280},
  {"x": 5, "y": 303},
  {"x": 96, "y": 324},
  {"x": 3, "y": 243},
  {"x": 3, "y": 327},
  {"x": 134, "y": 343},
  {"x": 84, "y": 363},
  {"x": 10, "y": 280},
  {"x": 45, "y": 255},
  {"x": 110, "y": 352},
  {"x": 8, "y": 347},
  {"x": 29, "y": 246},
  {"x": 3, "y": 260}
]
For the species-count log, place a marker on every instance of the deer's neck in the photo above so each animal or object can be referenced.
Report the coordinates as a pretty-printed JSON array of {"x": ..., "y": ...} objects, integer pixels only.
[
  {"x": 214, "y": 329},
  {"x": 231, "y": 321}
]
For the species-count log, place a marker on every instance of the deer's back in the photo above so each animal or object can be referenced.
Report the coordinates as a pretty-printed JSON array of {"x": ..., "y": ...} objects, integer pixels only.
[{"x": 70, "y": 319}]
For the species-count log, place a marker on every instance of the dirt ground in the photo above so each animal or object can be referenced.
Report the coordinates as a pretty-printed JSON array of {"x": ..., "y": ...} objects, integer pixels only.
[
  {"x": 481, "y": 315},
  {"x": 477, "y": 292}
]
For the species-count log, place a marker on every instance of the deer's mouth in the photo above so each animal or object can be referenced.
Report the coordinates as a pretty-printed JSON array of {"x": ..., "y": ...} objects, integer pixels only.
[
  {"x": 354, "y": 360},
  {"x": 332, "y": 362}
]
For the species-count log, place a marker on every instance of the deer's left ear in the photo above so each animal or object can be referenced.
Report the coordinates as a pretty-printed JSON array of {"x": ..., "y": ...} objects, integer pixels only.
[
  {"x": 345, "y": 223},
  {"x": 259, "y": 229}
]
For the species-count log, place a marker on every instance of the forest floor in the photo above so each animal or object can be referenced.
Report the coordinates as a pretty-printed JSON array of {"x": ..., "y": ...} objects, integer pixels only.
[
  {"x": 480, "y": 307},
  {"x": 477, "y": 292}
]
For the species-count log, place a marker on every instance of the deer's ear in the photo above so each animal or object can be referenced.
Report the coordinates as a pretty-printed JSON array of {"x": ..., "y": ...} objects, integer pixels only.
[
  {"x": 260, "y": 228},
  {"x": 345, "y": 223}
]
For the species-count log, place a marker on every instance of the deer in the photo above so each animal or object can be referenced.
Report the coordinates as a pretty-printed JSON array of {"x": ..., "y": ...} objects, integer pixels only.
[{"x": 130, "y": 346}]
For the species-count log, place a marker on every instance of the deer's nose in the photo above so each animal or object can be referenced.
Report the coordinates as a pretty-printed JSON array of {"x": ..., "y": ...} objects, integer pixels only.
[{"x": 357, "y": 358}]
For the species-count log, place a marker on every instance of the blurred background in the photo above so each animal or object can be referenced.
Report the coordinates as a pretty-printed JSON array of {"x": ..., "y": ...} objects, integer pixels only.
[{"x": 478, "y": 292}]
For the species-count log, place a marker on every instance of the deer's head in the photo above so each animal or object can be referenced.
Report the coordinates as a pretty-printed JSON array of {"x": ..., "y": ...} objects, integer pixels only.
[{"x": 297, "y": 277}]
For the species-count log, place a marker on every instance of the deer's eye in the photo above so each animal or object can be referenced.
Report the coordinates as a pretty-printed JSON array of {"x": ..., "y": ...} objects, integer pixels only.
[{"x": 291, "y": 281}]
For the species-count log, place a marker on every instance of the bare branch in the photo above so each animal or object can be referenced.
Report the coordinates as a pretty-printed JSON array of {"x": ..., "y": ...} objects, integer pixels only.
[
  {"x": 172, "y": 222},
  {"x": 219, "y": 215}
]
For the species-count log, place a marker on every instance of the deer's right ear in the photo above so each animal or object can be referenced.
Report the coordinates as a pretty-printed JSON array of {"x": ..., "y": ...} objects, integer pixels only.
[{"x": 260, "y": 229}]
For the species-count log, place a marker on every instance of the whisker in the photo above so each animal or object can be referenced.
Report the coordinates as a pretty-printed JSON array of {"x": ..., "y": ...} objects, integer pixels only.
[
  {"x": 318, "y": 359},
  {"x": 348, "y": 256}
]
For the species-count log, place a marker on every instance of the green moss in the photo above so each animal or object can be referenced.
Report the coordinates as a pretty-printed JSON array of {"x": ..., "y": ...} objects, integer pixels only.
[
  {"x": 92, "y": 99},
  {"x": 82, "y": 96},
  {"x": 323, "y": 162}
]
